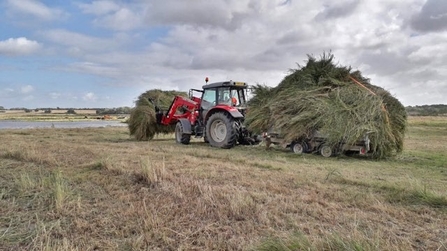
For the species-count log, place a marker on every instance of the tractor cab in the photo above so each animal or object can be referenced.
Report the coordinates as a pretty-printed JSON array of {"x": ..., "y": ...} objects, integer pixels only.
[{"x": 227, "y": 93}]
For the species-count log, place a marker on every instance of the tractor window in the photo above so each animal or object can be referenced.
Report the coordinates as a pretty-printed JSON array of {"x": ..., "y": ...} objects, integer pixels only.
[
  {"x": 241, "y": 97},
  {"x": 235, "y": 97},
  {"x": 209, "y": 98},
  {"x": 224, "y": 95}
]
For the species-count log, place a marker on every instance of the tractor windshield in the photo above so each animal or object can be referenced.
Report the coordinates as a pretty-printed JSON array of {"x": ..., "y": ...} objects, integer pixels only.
[
  {"x": 224, "y": 96},
  {"x": 231, "y": 96}
]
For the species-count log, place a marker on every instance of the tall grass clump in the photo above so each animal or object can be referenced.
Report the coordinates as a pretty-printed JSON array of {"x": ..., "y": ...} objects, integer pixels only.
[
  {"x": 151, "y": 173},
  {"x": 60, "y": 190},
  {"x": 26, "y": 182},
  {"x": 333, "y": 100},
  {"x": 142, "y": 122}
]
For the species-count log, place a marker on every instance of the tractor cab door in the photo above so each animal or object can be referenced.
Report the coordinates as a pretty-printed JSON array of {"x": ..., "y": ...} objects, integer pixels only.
[
  {"x": 209, "y": 100},
  {"x": 238, "y": 97},
  {"x": 224, "y": 96}
]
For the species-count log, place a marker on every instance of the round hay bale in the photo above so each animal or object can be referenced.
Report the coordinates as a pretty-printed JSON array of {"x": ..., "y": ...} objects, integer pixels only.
[{"x": 142, "y": 122}]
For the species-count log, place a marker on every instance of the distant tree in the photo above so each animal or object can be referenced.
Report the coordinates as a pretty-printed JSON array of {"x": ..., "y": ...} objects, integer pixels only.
[
  {"x": 28, "y": 110},
  {"x": 118, "y": 110},
  {"x": 427, "y": 110},
  {"x": 123, "y": 110},
  {"x": 47, "y": 111},
  {"x": 71, "y": 111},
  {"x": 36, "y": 110}
]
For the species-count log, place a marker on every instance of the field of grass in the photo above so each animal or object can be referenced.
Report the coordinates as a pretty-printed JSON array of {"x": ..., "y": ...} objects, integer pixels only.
[
  {"x": 55, "y": 115},
  {"x": 98, "y": 189}
]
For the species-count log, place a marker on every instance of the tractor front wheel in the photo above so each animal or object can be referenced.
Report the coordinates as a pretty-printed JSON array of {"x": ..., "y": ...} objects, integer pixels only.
[
  {"x": 221, "y": 130},
  {"x": 180, "y": 136}
]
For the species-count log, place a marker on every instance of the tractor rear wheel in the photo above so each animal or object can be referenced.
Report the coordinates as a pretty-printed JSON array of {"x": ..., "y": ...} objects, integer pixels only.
[
  {"x": 221, "y": 130},
  {"x": 180, "y": 136}
]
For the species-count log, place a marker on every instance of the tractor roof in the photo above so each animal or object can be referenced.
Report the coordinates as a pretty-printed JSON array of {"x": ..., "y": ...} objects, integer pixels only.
[{"x": 225, "y": 84}]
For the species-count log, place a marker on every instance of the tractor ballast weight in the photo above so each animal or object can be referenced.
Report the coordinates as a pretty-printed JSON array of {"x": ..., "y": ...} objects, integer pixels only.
[{"x": 217, "y": 115}]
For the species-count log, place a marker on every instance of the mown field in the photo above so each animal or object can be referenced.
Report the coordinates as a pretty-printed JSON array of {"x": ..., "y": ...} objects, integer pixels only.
[
  {"x": 55, "y": 115},
  {"x": 98, "y": 189}
]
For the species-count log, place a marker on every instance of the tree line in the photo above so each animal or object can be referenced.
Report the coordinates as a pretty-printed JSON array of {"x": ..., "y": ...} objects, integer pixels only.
[
  {"x": 99, "y": 111},
  {"x": 427, "y": 110}
]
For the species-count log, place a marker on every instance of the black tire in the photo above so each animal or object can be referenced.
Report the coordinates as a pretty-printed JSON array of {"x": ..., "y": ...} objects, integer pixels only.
[
  {"x": 307, "y": 147},
  {"x": 180, "y": 137},
  {"x": 326, "y": 151},
  {"x": 299, "y": 147},
  {"x": 242, "y": 134},
  {"x": 221, "y": 130}
]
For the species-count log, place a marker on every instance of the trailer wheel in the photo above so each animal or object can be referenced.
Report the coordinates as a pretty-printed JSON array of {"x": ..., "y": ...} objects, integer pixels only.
[
  {"x": 180, "y": 137},
  {"x": 221, "y": 130},
  {"x": 326, "y": 151},
  {"x": 299, "y": 147}
]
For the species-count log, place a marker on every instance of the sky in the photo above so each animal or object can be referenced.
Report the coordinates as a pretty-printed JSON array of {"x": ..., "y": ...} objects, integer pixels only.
[{"x": 105, "y": 53}]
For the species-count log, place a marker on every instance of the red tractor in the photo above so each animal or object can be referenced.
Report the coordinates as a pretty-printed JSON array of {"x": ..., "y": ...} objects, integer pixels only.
[{"x": 217, "y": 115}]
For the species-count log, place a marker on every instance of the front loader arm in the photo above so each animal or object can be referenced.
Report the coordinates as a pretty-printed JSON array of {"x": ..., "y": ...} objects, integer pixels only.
[{"x": 180, "y": 107}]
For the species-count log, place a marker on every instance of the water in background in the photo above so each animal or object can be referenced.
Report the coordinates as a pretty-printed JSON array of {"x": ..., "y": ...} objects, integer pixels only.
[{"x": 13, "y": 124}]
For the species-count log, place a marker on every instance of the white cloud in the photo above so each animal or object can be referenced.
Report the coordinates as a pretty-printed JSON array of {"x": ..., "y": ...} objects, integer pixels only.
[
  {"x": 200, "y": 13},
  {"x": 258, "y": 41},
  {"x": 123, "y": 19},
  {"x": 174, "y": 44},
  {"x": 35, "y": 8},
  {"x": 6, "y": 93},
  {"x": 26, "y": 89},
  {"x": 432, "y": 17},
  {"x": 28, "y": 98},
  {"x": 113, "y": 16},
  {"x": 90, "y": 96},
  {"x": 79, "y": 44},
  {"x": 54, "y": 95},
  {"x": 265, "y": 36},
  {"x": 99, "y": 7},
  {"x": 18, "y": 46}
]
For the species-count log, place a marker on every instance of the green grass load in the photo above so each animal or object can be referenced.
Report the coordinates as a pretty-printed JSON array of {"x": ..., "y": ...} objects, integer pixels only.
[
  {"x": 142, "y": 121},
  {"x": 333, "y": 100}
]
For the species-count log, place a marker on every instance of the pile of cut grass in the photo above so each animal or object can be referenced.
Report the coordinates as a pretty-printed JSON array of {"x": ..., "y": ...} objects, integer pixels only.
[
  {"x": 333, "y": 100},
  {"x": 142, "y": 122}
]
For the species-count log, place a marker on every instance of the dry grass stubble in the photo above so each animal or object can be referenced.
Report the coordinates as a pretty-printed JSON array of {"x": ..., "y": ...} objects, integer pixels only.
[{"x": 115, "y": 193}]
